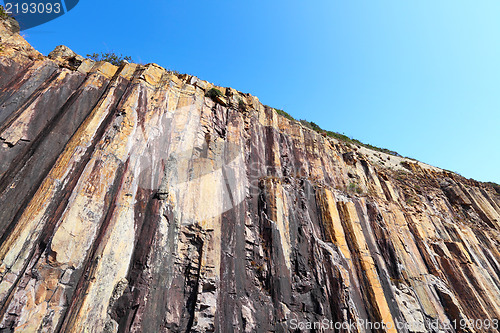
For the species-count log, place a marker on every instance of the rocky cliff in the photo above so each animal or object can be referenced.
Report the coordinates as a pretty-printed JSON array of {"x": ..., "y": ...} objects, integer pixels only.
[{"x": 131, "y": 202}]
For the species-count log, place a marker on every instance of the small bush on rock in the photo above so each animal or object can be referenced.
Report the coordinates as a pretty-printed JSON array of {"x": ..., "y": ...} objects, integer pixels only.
[
  {"x": 213, "y": 93},
  {"x": 3, "y": 14},
  {"x": 110, "y": 57},
  {"x": 242, "y": 106},
  {"x": 284, "y": 114}
]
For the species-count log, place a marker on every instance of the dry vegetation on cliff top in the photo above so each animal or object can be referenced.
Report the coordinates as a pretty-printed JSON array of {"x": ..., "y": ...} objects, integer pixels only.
[{"x": 392, "y": 162}]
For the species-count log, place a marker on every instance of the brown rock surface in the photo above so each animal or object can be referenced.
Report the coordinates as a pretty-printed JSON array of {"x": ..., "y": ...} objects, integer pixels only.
[{"x": 130, "y": 202}]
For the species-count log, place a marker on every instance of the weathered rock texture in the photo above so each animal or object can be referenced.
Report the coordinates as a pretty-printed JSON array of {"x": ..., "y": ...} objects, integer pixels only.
[{"x": 130, "y": 202}]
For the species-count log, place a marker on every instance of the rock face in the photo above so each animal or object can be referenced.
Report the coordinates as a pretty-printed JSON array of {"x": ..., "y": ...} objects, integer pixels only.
[{"x": 130, "y": 202}]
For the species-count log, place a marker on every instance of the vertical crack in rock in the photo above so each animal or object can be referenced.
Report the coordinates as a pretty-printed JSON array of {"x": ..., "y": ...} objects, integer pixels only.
[
  {"x": 57, "y": 206},
  {"x": 125, "y": 308},
  {"x": 89, "y": 267},
  {"x": 27, "y": 173}
]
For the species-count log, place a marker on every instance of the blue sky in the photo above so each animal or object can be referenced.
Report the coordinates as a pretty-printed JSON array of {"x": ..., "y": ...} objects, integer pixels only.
[{"x": 418, "y": 77}]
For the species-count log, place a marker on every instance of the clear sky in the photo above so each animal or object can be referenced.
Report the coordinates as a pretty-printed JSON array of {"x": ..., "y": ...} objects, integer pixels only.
[{"x": 418, "y": 77}]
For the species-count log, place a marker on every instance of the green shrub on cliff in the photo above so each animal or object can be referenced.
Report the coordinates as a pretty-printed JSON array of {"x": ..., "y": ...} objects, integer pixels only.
[
  {"x": 214, "y": 93},
  {"x": 495, "y": 186},
  {"x": 305, "y": 123},
  {"x": 110, "y": 57},
  {"x": 344, "y": 138},
  {"x": 353, "y": 187},
  {"x": 3, "y": 14},
  {"x": 241, "y": 105},
  {"x": 316, "y": 127},
  {"x": 284, "y": 114}
]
